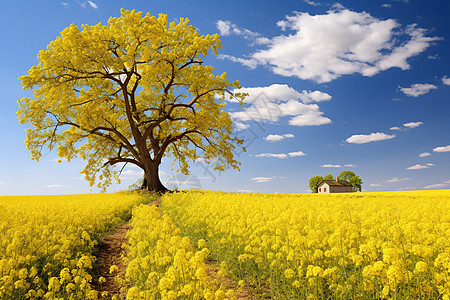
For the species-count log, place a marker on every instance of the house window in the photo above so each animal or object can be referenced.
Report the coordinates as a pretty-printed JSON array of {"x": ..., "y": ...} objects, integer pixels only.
[
  {"x": 325, "y": 189},
  {"x": 319, "y": 190}
]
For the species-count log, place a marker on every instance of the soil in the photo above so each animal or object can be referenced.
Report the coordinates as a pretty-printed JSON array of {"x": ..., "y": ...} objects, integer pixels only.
[
  {"x": 110, "y": 252},
  {"x": 227, "y": 282}
]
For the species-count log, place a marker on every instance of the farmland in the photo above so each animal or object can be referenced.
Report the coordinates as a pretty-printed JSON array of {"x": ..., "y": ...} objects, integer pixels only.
[
  {"x": 47, "y": 242},
  {"x": 392, "y": 245}
]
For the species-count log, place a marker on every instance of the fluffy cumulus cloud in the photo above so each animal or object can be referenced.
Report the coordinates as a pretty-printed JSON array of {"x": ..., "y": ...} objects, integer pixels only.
[
  {"x": 420, "y": 167},
  {"x": 331, "y": 166},
  {"x": 437, "y": 185},
  {"x": 396, "y": 179},
  {"x": 406, "y": 126},
  {"x": 313, "y": 3},
  {"x": 278, "y": 137},
  {"x": 418, "y": 89},
  {"x": 412, "y": 124},
  {"x": 296, "y": 154},
  {"x": 270, "y": 103},
  {"x": 52, "y": 186},
  {"x": 424, "y": 154},
  {"x": 367, "y": 138},
  {"x": 446, "y": 80},
  {"x": 263, "y": 179},
  {"x": 392, "y": 180},
  {"x": 281, "y": 155},
  {"x": 227, "y": 28},
  {"x": 93, "y": 5},
  {"x": 325, "y": 47},
  {"x": 442, "y": 149},
  {"x": 275, "y": 155}
]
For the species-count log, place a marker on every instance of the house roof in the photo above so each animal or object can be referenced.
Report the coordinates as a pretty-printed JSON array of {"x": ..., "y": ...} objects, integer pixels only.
[{"x": 334, "y": 183}]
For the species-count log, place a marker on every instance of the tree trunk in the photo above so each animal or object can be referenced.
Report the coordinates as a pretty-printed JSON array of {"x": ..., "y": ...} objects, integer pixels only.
[{"x": 151, "y": 180}]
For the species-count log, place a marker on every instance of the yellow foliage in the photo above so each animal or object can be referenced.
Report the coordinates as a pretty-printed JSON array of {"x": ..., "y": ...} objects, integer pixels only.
[{"x": 132, "y": 91}]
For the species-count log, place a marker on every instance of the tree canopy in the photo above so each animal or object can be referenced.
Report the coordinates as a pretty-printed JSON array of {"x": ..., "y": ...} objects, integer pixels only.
[
  {"x": 348, "y": 176},
  {"x": 130, "y": 92},
  {"x": 313, "y": 182}
]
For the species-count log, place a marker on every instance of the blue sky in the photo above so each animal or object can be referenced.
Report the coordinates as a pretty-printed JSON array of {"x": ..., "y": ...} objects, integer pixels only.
[{"x": 348, "y": 85}]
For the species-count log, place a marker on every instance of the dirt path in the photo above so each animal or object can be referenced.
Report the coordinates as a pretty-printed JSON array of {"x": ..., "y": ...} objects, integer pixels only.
[
  {"x": 110, "y": 253},
  {"x": 213, "y": 269}
]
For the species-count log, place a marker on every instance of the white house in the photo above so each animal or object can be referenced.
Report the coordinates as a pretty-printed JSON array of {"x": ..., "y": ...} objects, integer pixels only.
[{"x": 331, "y": 186}]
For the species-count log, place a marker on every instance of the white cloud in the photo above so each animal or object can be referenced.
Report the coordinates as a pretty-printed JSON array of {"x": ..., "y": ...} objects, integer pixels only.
[
  {"x": 227, "y": 28},
  {"x": 424, "y": 154},
  {"x": 350, "y": 165},
  {"x": 442, "y": 149},
  {"x": 331, "y": 166},
  {"x": 278, "y": 137},
  {"x": 396, "y": 179},
  {"x": 418, "y": 89},
  {"x": 313, "y": 3},
  {"x": 240, "y": 126},
  {"x": 367, "y": 138},
  {"x": 275, "y": 155},
  {"x": 270, "y": 103},
  {"x": 392, "y": 180},
  {"x": 437, "y": 185},
  {"x": 412, "y": 124},
  {"x": 53, "y": 186},
  {"x": 433, "y": 186},
  {"x": 395, "y": 128},
  {"x": 446, "y": 80},
  {"x": 249, "y": 63},
  {"x": 224, "y": 27},
  {"x": 281, "y": 155},
  {"x": 93, "y": 5},
  {"x": 296, "y": 154},
  {"x": 262, "y": 179},
  {"x": 65, "y": 4},
  {"x": 420, "y": 167},
  {"x": 386, "y": 5},
  {"x": 2, "y": 183},
  {"x": 315, "y": 96},
  {"x": 340, "y": 42}
]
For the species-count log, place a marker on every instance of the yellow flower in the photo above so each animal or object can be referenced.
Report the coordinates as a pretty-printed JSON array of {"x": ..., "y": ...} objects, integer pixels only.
[{"x": 421, "y": 267}]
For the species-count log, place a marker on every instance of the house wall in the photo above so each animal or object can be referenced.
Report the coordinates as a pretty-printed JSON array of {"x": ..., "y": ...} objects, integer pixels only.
[
  {"x": 324, "y": 188},
  {"x": 341, "y": 189}
]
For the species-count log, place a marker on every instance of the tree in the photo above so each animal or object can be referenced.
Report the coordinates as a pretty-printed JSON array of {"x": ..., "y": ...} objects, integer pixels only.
[
  {"x": 313, "y": 182},
  {"x": 356, "y": 183},
  {"x": 130, "y": 92},
  {"x": 328, "y": 177},
  {"x": 346, "y": 175}
]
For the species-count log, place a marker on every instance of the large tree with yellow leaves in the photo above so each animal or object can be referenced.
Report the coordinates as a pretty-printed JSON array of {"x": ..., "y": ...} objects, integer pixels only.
[{"x": 130, "y": 92}]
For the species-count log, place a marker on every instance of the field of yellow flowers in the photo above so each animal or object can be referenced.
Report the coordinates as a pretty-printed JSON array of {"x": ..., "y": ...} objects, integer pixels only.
[
  {"x": 392, "y": 245},
  {"x": 162, "y": 264},
  {"x": 47, "y": 242}
]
